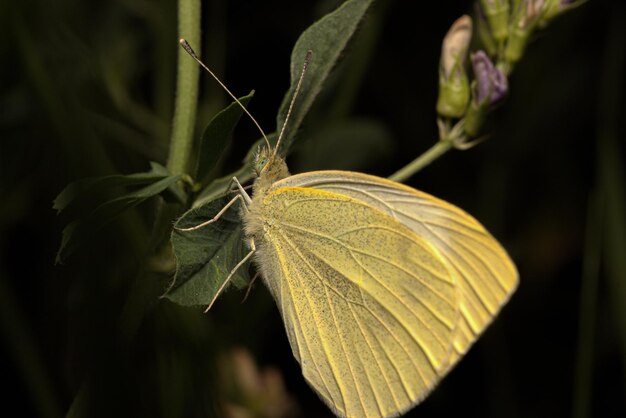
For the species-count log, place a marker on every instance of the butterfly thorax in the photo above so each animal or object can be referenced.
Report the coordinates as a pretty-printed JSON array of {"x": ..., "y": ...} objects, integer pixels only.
[{"x": 269, "y": 170}]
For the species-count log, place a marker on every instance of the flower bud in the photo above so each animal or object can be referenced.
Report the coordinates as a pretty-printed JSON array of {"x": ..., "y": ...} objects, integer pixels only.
[
  {"x": 484, "y": 31},
  {"x": 489, "y": 88},
  {"x": 453, "y": 84},
  {"x": 497, "y": 13},
  {"x": 525, "y": 18},
  {"x": 491, "y": 83}
]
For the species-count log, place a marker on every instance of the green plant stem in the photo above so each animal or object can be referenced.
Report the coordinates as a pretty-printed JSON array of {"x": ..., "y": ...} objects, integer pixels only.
[
  {"x": 181, "y": 142},
  {"x": 441, "y": 147}
]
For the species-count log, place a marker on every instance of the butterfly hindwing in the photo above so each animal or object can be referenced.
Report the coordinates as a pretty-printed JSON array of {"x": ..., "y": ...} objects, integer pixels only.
[
  {"x": 487, "y": 276},
  {"x": 369, "y": 306}
]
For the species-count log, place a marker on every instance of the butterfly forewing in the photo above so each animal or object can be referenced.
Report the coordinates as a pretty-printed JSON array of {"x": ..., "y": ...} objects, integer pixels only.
[
  {"x": 487, "y": 276},
  {"x": 369, "y": 306}
]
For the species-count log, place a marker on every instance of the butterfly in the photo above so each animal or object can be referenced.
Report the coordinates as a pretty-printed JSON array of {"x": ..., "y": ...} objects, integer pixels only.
[{"x": 381, "y": 288}]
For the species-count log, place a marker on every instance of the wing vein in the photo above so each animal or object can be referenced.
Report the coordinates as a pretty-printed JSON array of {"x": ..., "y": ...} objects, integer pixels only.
[
  {"x": 333, "y": 401},
  {"x": 393, "y": 314},
  {"x": 342, "y": 342},
  {"x": 288, "y": 241},
  {"x": 350, "y": 248},
  {"x": 408, "y": 308},
  {"x": 382, "y": 372}
]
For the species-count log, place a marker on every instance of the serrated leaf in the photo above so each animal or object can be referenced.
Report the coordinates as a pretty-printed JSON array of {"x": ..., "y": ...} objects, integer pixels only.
[
  {"x": 78, "y": 230},
  {"x": 205, "y": 257},
  {"x": 216, "y": 136},
  {"x": 327, "y": 38}
]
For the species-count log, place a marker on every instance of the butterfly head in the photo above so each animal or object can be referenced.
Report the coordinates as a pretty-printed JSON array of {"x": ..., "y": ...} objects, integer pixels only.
[
  {"x": 262, "y": 159},
  {"x": 269, "y": 168}
]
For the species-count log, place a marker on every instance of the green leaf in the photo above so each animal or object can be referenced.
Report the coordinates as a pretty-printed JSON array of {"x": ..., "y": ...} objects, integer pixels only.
[
  {"x": 88, "y": 193},
  {"x": 216, "y": 136},
  {"x": 327, "y": 38},
  {"x": 82, "y": 191},
  {"x": 81, "y": 229},
  {"x": 205, "y": 257}
]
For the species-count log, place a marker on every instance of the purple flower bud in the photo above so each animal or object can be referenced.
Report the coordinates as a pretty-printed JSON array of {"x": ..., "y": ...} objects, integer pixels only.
[{"x": 491, "y": 83}]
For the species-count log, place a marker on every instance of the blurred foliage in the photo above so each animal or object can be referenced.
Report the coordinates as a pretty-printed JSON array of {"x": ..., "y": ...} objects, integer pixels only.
[{"x": 87, "y": 89}]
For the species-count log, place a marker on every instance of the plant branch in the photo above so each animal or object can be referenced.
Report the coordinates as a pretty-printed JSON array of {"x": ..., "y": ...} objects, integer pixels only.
[
  {"x": 181, "y": 142},
  {"x": 441, "y": 147}
]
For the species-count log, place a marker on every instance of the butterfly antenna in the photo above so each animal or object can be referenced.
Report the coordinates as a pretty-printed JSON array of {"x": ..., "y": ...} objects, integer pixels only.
[
  {"x": 307, "y": 59},
  {"x": 191, "y": 52}
]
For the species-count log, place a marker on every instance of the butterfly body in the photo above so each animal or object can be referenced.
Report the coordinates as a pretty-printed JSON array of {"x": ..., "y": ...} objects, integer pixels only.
[{"x": 363, "y": 272}]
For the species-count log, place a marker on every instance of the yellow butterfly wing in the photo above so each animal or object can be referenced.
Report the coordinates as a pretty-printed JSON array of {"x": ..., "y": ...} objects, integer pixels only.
[
  {"x": 370, "y": 307},
  {"x": 487, "y": 276}
]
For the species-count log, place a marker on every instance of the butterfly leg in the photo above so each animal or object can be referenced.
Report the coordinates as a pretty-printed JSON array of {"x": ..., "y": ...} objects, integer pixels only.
[
  {"x": 256, "y": 276},
  {"x": 232, "y": 273},
  {"x": 242, "y": 192},
  {"x": 242, "y": 196}
]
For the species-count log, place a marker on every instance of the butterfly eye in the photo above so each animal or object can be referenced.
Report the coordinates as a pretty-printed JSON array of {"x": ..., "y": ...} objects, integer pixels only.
[{"x": 260, "y": 160}]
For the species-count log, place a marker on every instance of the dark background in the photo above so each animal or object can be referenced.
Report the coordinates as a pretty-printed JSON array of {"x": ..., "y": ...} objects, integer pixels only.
[{"x": 87, "y": 89}]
